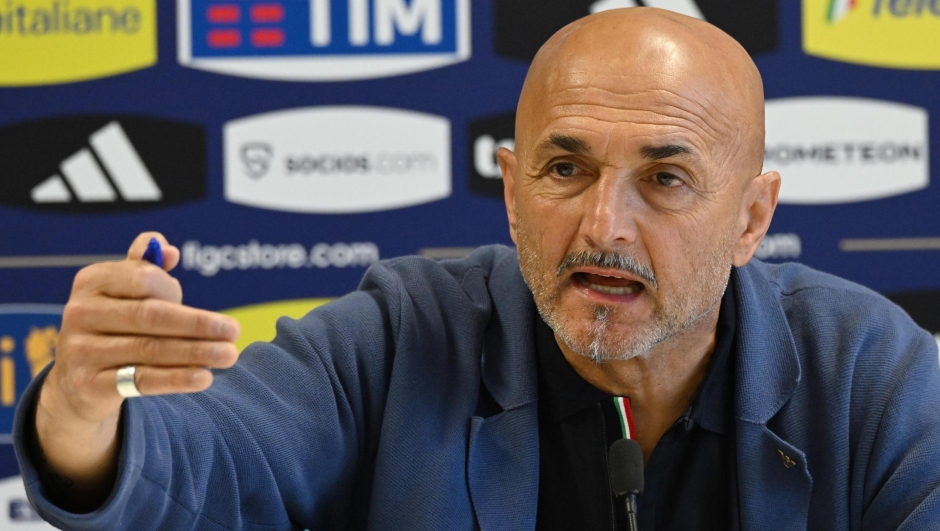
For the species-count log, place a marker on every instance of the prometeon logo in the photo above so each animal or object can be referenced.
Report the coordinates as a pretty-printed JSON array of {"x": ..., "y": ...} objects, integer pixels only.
[
  {"x": 332, "y": 160},
  {"x": 887, "y": 33},
  {"x": 519, "y": 34},
  {"x": 48, "y": 42},
  {"x": 486, "y": 137},
  {"x": 101, "y": 164},
  {"x": 841, "y": 150},
  {"x": 322, "y": 40}
]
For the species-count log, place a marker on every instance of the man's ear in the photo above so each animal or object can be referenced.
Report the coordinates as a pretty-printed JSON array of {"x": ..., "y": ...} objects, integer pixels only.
[
  {"x": 507, "y": 164},
  {"x": 757, "y": 210}
]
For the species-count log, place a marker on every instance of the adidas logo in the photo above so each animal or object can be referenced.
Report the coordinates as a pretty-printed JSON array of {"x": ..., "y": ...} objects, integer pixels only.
[
  {"x": 101, "y": 163},
  {"x": 87, "y": 179}
]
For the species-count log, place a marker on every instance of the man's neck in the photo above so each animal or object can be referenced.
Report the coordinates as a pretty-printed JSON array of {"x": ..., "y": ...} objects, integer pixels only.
[{"x": 661, "y": 383}]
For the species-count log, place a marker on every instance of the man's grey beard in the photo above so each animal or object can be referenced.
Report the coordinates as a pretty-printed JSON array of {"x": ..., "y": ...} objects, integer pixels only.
[{"x": 599, "y": 344}]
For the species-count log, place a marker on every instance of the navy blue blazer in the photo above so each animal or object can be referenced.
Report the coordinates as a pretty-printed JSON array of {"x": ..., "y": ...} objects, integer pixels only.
[{"x": 362, "y": 414}]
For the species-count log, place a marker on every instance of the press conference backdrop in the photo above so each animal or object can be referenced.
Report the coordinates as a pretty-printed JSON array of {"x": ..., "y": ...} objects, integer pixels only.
[{"x": 286, "y": 145}]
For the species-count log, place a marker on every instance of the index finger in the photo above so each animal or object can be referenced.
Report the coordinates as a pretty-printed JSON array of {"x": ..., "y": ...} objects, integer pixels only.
[
  {"x": 171, "y": 254},
  {"x": 154, "y": 317}
]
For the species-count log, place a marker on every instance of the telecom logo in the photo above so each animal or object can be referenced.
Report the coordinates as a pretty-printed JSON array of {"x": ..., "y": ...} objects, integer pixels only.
[
  {"x": 886, "y": 33},
  {"x": 839, "y": 9},
  {"x": 44, "y": 42},
  {"x": 519, "y": 34},
  {"x": 332, "y": 160},
  {"x": 486, "y": 136},
  {"x": 841, "y": 150},
  {"x": 101, "y": 164},
  {"x": 322, "y": 40}
]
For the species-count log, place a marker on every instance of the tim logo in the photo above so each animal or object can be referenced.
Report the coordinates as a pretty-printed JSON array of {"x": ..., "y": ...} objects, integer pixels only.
[
  {"x": 322, "y": 40},
  {"x": 101, "y": 164}
]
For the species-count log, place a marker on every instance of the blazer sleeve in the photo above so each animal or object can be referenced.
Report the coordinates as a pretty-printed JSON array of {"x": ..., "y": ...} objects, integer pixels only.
[
  {"x": 902, "y": 471},
  {"x": 274, "y": 444}
]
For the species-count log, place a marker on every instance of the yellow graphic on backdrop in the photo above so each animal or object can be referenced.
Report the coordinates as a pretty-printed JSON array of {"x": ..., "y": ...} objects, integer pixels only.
[
  {"x": 43, "y": 42},
  {"x": 257, "y": 321},
  {"x": 888, "y": 33},
  {"x": 7, "y": 372},
  {"x": 40, "y": 348}
]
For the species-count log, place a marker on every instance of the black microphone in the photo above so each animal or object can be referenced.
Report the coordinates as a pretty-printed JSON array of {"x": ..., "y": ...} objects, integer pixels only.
[{"x": 625, "y": 465}]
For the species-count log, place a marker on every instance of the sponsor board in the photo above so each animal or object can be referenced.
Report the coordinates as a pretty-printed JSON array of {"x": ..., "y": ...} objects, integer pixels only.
[
  {"x": 44, "y": 42},
  {"x": 322, "y": 40},
  {"x": 101, "y": 164},
  {"x": 887, "y": 33},
  {"x": 519, "y": 34},
  {"x": 28, "y": 333},
  {"x": 841, "y": 150},
  {"x": 257, "y": 320},
  {"x": 209, "y": 260},
  {"x": 923, "y": 307},
  {"x": 332, "y": 160},
  {"x": 486, "y": 137}
]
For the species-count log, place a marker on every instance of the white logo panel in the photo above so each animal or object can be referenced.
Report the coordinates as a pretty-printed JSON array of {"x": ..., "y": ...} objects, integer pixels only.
[
  {"x": 337, "y": 41},
  {"x": 341, "y": 159},
  {"x": 17, "y": 514},
  {"x": 841, "y": 150}
]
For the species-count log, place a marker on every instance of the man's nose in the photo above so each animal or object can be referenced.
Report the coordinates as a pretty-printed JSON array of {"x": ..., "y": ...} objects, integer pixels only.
[{"x": 611, "y": 207}]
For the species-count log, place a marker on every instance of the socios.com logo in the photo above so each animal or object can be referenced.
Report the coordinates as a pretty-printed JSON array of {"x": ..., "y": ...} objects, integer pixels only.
[
  {"x": 889, "y": 33},
  {"x": 840, "y": 150},
  {"x": 258, "y": 320},
  {"x": 322, "y": 40},
  {"x": 337, "y": 159},
  {"x": 59, "y": 41}
]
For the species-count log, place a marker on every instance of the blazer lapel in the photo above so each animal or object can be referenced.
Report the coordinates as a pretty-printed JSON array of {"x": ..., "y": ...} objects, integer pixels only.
[
  {"x": 503, "y": 449},
  {"x": 774, "y": 483},
  {"x": 503, "y": 469}
]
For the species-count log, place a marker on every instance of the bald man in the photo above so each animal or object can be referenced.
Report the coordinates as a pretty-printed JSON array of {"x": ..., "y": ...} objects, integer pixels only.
[{"x": 485, "y": 392}]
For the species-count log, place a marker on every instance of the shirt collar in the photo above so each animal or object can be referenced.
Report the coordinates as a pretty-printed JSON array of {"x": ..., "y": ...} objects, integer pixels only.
[{"x": 562, "y": 391}]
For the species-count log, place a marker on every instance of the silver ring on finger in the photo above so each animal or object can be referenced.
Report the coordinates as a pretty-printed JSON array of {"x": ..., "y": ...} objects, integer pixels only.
[{"x": 126, "y": 385}]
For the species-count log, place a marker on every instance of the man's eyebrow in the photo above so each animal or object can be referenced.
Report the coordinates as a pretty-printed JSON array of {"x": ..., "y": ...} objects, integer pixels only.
[
  {"x": 568, "y": 143},
  {"x": 664, "y": 152}
]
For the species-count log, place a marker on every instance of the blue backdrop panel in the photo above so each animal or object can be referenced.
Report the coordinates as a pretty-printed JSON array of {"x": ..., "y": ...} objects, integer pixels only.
[{"x": 129, "y": 145}]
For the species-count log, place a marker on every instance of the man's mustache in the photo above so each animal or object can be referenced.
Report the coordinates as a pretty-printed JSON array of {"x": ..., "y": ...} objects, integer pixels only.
[{"x": 606, "y": 260}]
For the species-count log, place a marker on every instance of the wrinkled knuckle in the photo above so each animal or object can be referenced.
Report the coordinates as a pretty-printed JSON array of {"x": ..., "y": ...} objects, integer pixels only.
[
  {"x": 149, "y": 313},
  {"x": 85, "y": 277},
  {"x": 82, "y": 381},
  {"x": 75, "y": 312},
  {"x": 147, "y": 279},
  {"x": 149, "y": 349},
  {"x": 204, "y": 324}
]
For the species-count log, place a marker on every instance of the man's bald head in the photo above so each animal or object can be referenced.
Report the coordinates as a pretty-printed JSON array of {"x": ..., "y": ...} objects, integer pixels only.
[{"x": 649, "y": 49}]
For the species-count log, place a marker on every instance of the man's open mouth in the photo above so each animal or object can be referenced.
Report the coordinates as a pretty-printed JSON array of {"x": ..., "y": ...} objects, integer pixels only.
[{"x": 608, "y": 284}]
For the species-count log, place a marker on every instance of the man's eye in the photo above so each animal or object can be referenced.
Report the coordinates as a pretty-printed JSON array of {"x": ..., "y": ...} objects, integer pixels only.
[
  {"x": 668, "y": 179},
  {"x": 565, "y": 169}
]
